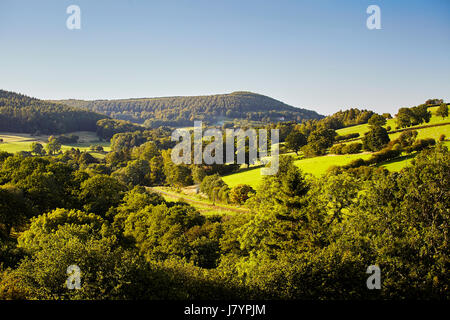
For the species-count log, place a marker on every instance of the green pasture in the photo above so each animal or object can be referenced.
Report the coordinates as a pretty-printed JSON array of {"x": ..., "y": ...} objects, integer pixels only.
[
  {"x": 363, "y": 128},
  {"x": 315, "y": 166},
  {"x": 15, "y": 142}
]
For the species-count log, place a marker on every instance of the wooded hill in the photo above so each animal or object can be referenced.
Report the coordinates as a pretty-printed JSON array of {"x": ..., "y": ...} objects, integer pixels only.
[
  {"x": 20, "y": 113},
  {"x": 182, "y": 111}
]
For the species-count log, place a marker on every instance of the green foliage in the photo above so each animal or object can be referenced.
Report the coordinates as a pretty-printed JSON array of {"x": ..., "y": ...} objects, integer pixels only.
[
  {"x": 375, "y": 139},
  {"x": 44, "y": 226},
  {"x": 137, "y": 172},
  {"x": 101, "y": 192},
  {"x": 53, "y": 146},
  {"x": 67, "y": 139},
  {"x": 319, "y": 141},
  {"x": 14, "y": 209},
  {"x": 198, "y": 173},
  {"x": 47, "y": 185},
  {"x": 37, "y": 149},
  {"x": 442, "y": 111},
  {"x": 240, "y": 193},
  {"x": 336, "y": 121},
  {"x": 407, "y": 117},
  {"x": 161, "y": 232},
  {"x": 127, "y": 140},
  {"x": 303, "y": 238},
  {"x": 295, "y": 140},
  {"x": 106, "y": 128},
  {"x": 215, "y": 188},
  {"x": 176, "y": 175},
  {"x": 181, "y": 111},
  {"x": 407, "y": 138},
  {"x": 19, "y": 113},
  {"x": 377, "y": 120},
  {"x": 346, "y": 148}
]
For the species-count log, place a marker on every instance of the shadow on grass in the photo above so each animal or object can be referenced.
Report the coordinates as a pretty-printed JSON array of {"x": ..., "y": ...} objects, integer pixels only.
[{"x": 399, "y": 159}]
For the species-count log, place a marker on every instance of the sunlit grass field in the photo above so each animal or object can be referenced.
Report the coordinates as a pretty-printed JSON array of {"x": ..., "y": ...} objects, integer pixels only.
[
  {"x": 15, "y": 142},
  {"x": 315, "y": 166},
  {"x": 363, "y": 128},
  {"x": 203, "y": 205}
]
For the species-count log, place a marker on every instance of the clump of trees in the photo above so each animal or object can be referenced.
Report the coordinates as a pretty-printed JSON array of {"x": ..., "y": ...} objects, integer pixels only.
[
  {"x": 377, "y": 120},
  {"x": 318, "y": 142},
  {"x": 442, "y": 111},
  {"x": 241, "y": 193},
  {"x": 215, "y": 188},
  {"x": 107, "y": 128},
  {"x": 295, "y": 141},
  {"x": 407, "y": 117},
  {"x": 53, "y": 145},
  {"x": 376, "y": 139}
]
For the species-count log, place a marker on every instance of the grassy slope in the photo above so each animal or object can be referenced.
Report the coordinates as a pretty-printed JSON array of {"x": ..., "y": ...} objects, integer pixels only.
[
  {"x": 315, "y": 166},
  {"x": 363, "y": 128},
  {"x": 14, "y": 142},
  {"x": 400, "y": 163},
  {"x": 319, "y": 165}
]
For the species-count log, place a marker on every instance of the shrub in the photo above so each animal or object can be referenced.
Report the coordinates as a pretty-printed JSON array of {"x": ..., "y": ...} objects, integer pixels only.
[
  {"x": 337, "y": 148},
  {"x": 308, "y": 151},
  {"x": 384, "y": 155},
  {"x": 407, "y": 138},
  {"x": 240, "y": 193},
  {"x": 421, "y": 144},
  {"x": 352, "y": 148}
]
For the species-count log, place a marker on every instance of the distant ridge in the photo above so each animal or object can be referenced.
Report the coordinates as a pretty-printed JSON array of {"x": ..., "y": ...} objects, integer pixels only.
[
  {"x": 20, "y": 113},
  {"x": 183, "y": 110}
]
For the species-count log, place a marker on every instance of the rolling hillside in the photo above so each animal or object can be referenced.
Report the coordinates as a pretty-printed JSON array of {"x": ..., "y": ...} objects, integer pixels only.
[
  {"x": 181, "y": 111},
  {"x": 317, "y": 166}
]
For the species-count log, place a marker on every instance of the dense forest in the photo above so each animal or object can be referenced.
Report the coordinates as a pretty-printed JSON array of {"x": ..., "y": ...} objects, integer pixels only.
[
  {"x": 182, "y": 111},
  {"x": 304, "y": 238},
  {"x": 20, "y": 113}
]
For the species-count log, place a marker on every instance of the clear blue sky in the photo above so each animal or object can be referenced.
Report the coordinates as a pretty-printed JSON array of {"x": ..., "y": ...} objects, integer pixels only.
[{"x": 316, "y": 54}]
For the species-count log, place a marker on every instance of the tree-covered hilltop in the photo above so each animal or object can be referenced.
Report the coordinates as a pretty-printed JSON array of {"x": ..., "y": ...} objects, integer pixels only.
[
  {"x": 20, "y": 113},
  {"x": 181, "y": 111}
]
